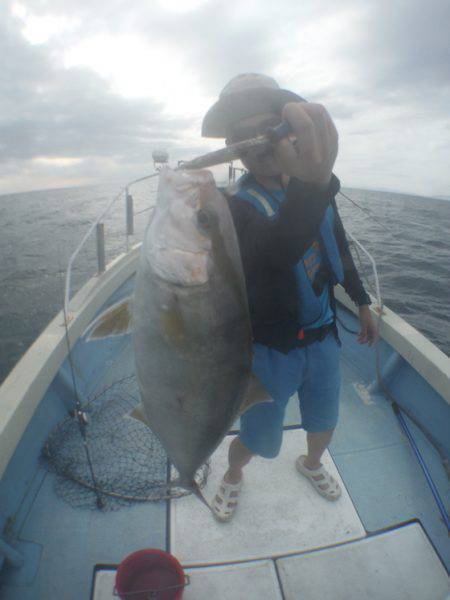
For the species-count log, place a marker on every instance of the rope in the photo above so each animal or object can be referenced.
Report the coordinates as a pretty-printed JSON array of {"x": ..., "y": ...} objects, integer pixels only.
[
  {"x": 366, "y": 210},
  {"x": 139, "y": 212},
  {"x": 80, "y": 415}
]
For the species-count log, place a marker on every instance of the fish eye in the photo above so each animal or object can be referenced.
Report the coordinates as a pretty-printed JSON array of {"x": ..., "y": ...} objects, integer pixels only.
[{"x": 206, "y": 218}]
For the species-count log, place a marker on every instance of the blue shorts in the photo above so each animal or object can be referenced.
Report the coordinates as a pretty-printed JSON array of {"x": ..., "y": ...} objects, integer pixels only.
[{"x": 312, "y": 371}]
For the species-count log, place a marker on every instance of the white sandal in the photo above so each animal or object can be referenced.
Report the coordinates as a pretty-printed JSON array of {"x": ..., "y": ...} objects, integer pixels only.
[
  {"x": 332, "y": 489},
  {"x": 225, "y": 501}
]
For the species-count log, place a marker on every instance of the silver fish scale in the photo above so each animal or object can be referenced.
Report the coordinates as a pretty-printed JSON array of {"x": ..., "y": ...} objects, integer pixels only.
[{"x": 193, "y": 352}]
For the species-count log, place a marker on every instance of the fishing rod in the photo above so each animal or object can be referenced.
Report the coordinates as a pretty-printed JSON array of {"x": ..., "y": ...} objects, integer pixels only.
[{"x": 263, "y": 142}]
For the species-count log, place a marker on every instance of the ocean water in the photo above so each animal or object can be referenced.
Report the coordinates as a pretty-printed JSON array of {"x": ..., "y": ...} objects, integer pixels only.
[{"x": 408, "y": 236}]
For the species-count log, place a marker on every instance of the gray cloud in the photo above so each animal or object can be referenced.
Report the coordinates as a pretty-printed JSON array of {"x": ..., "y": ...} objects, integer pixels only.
[
  {"x": 411, "y": 44},
  {"x": 402, "y": 54},
  {"x": 390, "y": 72},
  {"x": 396, "y": 44},
  {"x": 46, "y": 110}
]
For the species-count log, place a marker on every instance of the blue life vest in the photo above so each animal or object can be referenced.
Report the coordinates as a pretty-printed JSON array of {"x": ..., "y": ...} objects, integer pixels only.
[{"x": 314, "y": 310}]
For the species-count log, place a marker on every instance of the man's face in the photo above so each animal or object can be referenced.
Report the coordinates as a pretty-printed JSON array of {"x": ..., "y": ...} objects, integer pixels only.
[{"x": 258, "y": 162}]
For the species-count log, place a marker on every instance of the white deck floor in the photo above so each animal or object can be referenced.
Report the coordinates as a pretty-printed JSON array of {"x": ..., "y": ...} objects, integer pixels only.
[
  {"x": 399, "y": 565},
  {"x": 279, "y": 512},
  {"x": 396, "y": 565},
  {"x": 287, "y": 542}
]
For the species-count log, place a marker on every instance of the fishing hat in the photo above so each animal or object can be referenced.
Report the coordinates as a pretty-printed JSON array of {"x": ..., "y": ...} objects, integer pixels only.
[{"x": 243, "y": 96}]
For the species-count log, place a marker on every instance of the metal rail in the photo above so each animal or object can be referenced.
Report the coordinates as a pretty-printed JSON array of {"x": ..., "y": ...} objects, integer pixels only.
[
  {"x": 225, "y": 155},
  {"x": 130, "y": 214},
  {"x": 97, "y": 225},
  {"x": 374, "y": 267}
]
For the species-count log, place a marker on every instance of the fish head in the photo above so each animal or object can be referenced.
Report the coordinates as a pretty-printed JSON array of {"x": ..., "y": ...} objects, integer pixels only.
[{"x": 178, "y": 238}]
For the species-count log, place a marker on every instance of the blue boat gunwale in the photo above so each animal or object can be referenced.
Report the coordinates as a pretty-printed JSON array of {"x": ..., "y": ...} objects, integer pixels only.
[
  {"x": 26, "y": 385},
  {"x": 423, "y": 356},
  {"x": 29, "y": 380}
]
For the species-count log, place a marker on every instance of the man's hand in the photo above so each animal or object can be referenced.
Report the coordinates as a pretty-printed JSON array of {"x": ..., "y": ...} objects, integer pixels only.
[
  {"x": 310, "y": 153},
  {"x": 368, "y": 331}
]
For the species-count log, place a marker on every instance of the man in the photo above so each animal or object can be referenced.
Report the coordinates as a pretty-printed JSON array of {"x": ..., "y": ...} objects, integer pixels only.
[{"x": 294, "y": 251}]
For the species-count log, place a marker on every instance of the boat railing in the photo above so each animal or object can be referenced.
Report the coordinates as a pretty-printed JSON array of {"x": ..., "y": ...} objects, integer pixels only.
[
  {"x": 98, "y": 227},
  {"x": 130, "y": 214},
  {"x": 373, "y": 265}
]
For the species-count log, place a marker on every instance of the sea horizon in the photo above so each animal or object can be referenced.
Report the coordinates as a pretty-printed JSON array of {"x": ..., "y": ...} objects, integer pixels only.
[{"x": 407, "y": 236}]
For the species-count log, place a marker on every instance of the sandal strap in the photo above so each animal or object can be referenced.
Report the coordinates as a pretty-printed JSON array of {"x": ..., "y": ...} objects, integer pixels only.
[
  {"x": 327, "y": 479},
  {"x": 314, "y": 472},
  {"x": 226, "y": 489},
  {"x": 228, "y": 505}
]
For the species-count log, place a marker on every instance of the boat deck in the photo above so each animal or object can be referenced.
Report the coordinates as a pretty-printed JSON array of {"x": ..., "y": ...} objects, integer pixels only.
[
  {"x": 375, "y": 567},
  {"x": 67, "y": 549}
]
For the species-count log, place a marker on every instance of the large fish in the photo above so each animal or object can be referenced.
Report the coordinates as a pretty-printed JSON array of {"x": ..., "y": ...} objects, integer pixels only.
[{"x": 192, "y": 332}]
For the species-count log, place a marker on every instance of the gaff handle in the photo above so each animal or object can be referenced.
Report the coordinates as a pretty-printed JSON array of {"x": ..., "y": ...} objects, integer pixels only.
[{"x": 275, "y": 134}]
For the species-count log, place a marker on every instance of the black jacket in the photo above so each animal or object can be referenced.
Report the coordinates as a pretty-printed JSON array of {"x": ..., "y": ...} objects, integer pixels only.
[{"x": 270, "y": 250}]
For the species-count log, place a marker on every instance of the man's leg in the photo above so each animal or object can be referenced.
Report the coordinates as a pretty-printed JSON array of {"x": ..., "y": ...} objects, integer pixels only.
[
  {"x": 226, "y": 499},
  {"x": 319, "y": 401},
  {"x": 317, "y": 444},
  {"x": 261, "y": 426},
  {"x": 238, "y": 456},
  {"x": 261, "y": 430}
]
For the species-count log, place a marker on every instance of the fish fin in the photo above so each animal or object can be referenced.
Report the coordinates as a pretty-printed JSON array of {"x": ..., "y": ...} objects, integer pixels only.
[
  {"x": 254, "y": 394},
  {"x": 138, "y": 413},
  {"x": 115, "y": 320}
]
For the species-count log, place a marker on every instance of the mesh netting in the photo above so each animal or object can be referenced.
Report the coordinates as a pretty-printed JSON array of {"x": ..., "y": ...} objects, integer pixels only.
[{"x": 129, "y": 463}]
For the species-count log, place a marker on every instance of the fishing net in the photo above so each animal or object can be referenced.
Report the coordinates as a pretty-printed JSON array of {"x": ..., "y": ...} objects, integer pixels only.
[{"x": 129, "y": 463}]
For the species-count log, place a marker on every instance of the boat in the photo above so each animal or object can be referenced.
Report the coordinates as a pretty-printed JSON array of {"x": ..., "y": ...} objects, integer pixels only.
[{"x": 386, "y": 537}]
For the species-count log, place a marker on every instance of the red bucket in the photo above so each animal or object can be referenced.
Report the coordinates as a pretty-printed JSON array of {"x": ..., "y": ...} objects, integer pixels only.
[{"x": 148, "y": 574}]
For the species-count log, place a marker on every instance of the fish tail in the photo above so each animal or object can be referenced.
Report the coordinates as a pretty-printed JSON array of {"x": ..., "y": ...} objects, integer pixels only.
[
  {"x": 192, "y": 486},
  {"x": 197, "y": 491}
]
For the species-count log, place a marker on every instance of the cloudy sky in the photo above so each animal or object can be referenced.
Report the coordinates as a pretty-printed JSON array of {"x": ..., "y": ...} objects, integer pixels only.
[{"x": 89, "y": 88}]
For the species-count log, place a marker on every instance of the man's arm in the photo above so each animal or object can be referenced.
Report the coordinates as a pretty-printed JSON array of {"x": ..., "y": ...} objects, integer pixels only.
[
  {"x": 307, "y": 157},
  {"x": 352, "y": 282},
  {"x": 282, "y": 241},
  {"x": 353, "y": 286}
]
